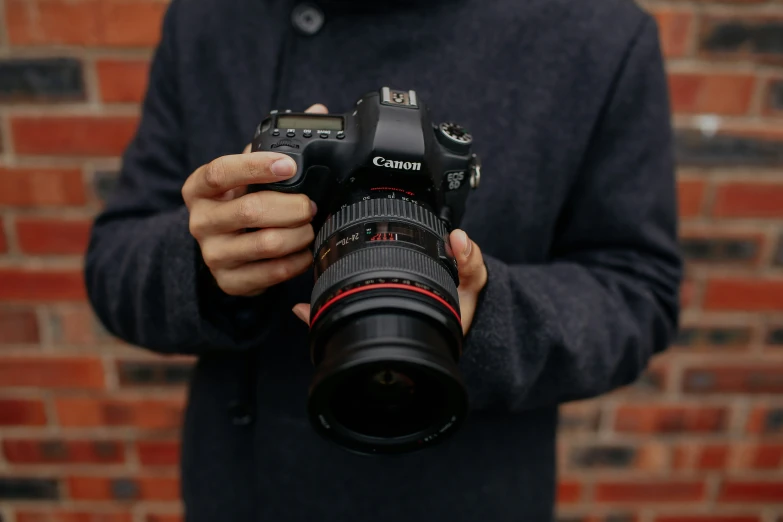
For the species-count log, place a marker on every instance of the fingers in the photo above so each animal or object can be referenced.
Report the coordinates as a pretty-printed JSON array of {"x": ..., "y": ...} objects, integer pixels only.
[
  {"x": 302, "y": 311},
  {"x": 265, "y": 209},
  {"x": 253, "y": 278},
  {"x": 228, "y": 172},
  {"x": 470, "y": 262},
  {"x": 230, "y": 251},
  {"x": 318, "y": 108}
]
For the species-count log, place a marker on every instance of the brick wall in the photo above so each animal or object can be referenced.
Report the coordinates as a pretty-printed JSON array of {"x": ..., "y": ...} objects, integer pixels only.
[{"x": 88, "y": 425}]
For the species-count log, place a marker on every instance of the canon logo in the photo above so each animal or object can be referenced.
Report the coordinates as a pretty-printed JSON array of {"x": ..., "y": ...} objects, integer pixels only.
[{"x": 380, "y": 161}]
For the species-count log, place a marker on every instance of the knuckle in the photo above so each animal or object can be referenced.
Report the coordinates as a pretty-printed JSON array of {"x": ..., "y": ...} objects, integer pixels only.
[
  {"x": 269, "y": 242},
  {"x": 304, "y": 207},
  {"x": 227, "y": 284},
  {"x": 247, "y": 211},
  {"x": 212, "y": 256},
  {"x": 196, "y": 224},
  {"x": 215, "y": 174}
]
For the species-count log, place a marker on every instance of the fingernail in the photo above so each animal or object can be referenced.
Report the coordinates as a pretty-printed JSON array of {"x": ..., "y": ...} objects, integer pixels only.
[
  {"x": 313, "y": 207},
  {"x": 468, "y": 246},
  {"x": 284, "y": 168}
]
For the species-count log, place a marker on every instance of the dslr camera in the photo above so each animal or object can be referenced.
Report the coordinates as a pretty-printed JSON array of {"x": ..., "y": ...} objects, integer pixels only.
[{"x": 385, "y": 331}]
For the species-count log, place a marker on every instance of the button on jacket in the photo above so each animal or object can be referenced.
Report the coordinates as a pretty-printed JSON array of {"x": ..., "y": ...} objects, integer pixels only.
[{"x": 576, "y": 216}]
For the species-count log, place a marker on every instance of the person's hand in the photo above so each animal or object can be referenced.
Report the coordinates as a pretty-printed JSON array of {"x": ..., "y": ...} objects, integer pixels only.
[
  {"x": 247, "y": 263},
  {"x": 472, "y": 279}
]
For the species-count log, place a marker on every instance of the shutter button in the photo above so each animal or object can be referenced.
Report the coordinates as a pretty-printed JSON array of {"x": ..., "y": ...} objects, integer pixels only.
[{"x": 307, "y": 18}]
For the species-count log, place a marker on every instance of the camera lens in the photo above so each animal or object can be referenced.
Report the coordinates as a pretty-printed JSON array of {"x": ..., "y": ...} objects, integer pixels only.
[{"x": 385, "y": 329}]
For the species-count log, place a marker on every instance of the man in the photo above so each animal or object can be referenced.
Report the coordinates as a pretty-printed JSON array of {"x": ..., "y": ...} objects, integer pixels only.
[{"x": 571, "y": 264}]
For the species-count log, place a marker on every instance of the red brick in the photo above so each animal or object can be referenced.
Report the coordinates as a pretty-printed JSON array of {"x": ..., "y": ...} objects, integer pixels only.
[
  {"x": 3, "y": 241},
  {"x": 72, "y": 135},
  {"x": 22, "y": 412},
  {"x": 674, "y": 27},
  {"x": 738, "y": 199},
  {"x": 649, "y": 491},
  {"x": 58, "y": 451},
  {"x": 52, "y": 236},
  {"x": 737, "y": 378},
  {"x": 163, "y": 518},
  {"x": 708, "y": 518},
  {"x": 142, "y": 488},
  {"x": 760, "y": 456},
  {"x": 25, "y": 187},
  {"x": 123, "y": 80},
  {"x": 78, "y": 325},
  {"x": 158, "y": 452},
  {"x": 707, "y": 457},
  {"x": 690, "y": 197},
  {"x": 51, "y": 372},
  {"x": 750, "y": 491},
  {"x": 670, "y": 419},
  {"x": 687, "y": 293},
  {"x": 72, "y": 516},
  {"x": 134, "y": 23},
  {"x": 141, "y": 413},
  {"x": 18, "y": 326},
  {"x": 568, "y": 492},
  {"x": 21, "y": 284},
  {"x": 764, "y": 420},
  {"x": 715, "y": 93},
  {"x": 751, "y": 295}
]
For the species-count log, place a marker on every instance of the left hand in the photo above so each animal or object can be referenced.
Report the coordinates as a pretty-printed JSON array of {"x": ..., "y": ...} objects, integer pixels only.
[{"x": 472, "y": 279}]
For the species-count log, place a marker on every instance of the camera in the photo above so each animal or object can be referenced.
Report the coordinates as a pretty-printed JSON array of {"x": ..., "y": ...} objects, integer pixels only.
[{"x": 385, "y": 332}]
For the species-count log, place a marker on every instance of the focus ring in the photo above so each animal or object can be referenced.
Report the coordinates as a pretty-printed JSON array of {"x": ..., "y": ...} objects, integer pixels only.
[
  {"x": 381, "y": 208},
  {"x": 375, "y": 259}
]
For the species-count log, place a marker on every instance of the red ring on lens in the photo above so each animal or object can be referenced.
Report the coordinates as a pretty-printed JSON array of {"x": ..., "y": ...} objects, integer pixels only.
[{"x": 353, "y": 291}]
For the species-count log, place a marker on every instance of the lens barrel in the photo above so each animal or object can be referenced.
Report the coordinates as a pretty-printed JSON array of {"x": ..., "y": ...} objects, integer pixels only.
[{"x": 385, "y": 329}]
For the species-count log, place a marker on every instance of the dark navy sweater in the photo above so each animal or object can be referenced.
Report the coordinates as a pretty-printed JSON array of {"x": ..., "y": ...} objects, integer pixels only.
[{"x": 576, "y": 216}]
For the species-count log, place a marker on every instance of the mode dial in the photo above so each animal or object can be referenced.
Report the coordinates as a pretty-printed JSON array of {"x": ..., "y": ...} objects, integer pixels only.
[{"x": 454, "y": 137}]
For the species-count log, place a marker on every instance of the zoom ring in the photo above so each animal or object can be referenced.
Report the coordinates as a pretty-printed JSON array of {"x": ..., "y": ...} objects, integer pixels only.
[
  {"x": 381, "y": 208},
  {"x": 372, "y": 260}
]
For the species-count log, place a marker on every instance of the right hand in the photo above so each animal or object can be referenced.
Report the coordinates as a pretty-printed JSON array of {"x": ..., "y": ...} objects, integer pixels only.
[{"x": 247, "y": 263}]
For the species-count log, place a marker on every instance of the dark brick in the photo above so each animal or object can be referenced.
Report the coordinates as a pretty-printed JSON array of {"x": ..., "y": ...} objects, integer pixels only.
[
  {"x": 652, "y": 380},
  {"x": 775, "y": 95},
  {"x": 722, "y": 250},
  {"x": 694, "y": 148},
  {"x": 153, "y": 373},
  {"x": 756, "y": 36},
  {"x": 12, "y": 488},
  {"x": 579, "y": 420},
  {"x": 779, "y": 253},
  {"x": 53, "y": 449},
  {"x": 124, "y": 489},
  {"x": 720, "y": 337},
  {"x": 687, "y": 337},
  {"x": 774, "y": 421},
  {"x": 41, "y": 79},
  {"x": 603, "y": 457},
  {"x": 775, "y": 336},
  {"x": 103, "y": 183}
]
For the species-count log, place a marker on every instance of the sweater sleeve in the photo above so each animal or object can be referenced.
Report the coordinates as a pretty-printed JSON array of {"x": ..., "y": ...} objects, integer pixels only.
[
  {"x": 144, "y": 273},
  {"x": 589, "y": 320}
]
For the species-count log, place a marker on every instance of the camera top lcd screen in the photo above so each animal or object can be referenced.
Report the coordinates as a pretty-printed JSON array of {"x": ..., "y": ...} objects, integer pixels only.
[{"x": 310, "y": 122}]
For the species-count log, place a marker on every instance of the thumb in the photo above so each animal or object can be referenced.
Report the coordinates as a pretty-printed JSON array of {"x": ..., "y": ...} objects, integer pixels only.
[
  {"x": 302, "y": 311},
  {"x": 318, "y": 108},
  {"x": 470, "y": 262}
]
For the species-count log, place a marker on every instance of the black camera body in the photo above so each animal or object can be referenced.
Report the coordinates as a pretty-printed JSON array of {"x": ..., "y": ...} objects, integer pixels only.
[
  {"x": 385, "y": 331},
  {"x": 387, "y": 144}
]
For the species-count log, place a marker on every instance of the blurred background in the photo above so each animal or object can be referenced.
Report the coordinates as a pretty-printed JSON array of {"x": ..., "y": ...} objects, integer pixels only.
[{"x": 88, "y": 425}]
